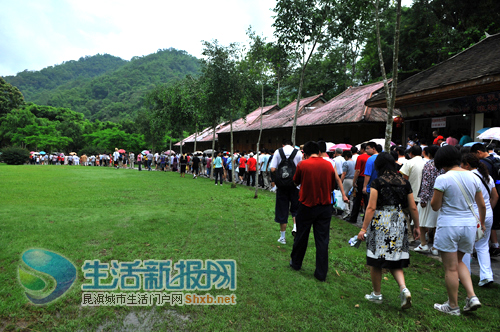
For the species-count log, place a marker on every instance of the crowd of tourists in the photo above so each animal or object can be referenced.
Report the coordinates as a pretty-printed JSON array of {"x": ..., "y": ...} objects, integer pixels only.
[
  {"x": 440, "y": 194},
  {"x": 435, "y": 197}
]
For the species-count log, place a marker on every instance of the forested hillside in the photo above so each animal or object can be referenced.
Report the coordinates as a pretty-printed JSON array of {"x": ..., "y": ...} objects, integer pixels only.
[
  {"x": 35, "y": 83},
  {"x": 104, "y": 87}
]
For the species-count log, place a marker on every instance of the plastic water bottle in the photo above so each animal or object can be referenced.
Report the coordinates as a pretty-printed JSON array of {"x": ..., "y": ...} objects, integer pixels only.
[
  {"x": 350, "y": 191},
  {"x": 354, "y": 242}
]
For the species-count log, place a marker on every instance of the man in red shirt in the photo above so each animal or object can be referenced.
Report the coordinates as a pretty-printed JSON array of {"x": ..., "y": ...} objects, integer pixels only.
[
  {"x": 316, "y": 178},
  {"x": 241, "y": 166},
  {"x": 252, "y": 168},
  {"x": 358, "y": 182}
]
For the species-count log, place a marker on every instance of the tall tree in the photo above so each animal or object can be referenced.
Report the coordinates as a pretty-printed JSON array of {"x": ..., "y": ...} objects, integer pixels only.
[
  {"x": 258, "y": 56},
  {"x": 220, "y": 79},
  {"x": 390, "y": 90},
  {"x": 300, "y": 26}
]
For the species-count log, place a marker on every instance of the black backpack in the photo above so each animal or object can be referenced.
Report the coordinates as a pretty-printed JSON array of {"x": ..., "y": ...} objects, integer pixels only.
[
  {"x": 495, "y": 164},
  {"x": 286, "y": 170}
]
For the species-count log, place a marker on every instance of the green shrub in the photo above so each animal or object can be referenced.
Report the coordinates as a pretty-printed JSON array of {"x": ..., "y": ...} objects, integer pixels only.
[{"x": 15, "y": 155}]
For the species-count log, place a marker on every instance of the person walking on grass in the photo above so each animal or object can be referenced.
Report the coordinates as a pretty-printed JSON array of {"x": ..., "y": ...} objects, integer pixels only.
[
  {"x": 471, "y": 163},
  {"x": 287, "y": 194},
  {"x": 131, "y": 157},
  {"x": 252, "y": 169},
  {"x": 139, "y": 161},
  {"x": 385, "y": 228},
  {"x": 316, "y": 178},
  {"x": 150, "y": 160},
  {"x": 456, "y": 225},
  {"x": 242, "y": 167},
  {"x": 196, "y": 165},
  {"x": 116, "y": 158},
  {"x": 218, "y": 168},
  {"x": 427, "y": 216},
  {"x": 183, "y": 164}
]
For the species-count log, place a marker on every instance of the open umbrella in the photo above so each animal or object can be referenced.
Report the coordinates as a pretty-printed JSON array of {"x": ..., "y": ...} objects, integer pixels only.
[
  {"x": 209, "y": 151},
  {"x": 43, "y": 152},
  {"x": 35, "y": 153},
  {"x": 121, "y": 151},
  {"x": 169, "y": 152},
  {"x": 482, "y": 130},
  {"x": 380, "y": 141},
  {"x": 472, "y": 143},
  {"x": 329, "y": 145},
  {"x": 145, "y": 152},
  {"x": 342, "y": 146},
  {"x": 32, "y": 152},
  {"x": 72, "y": 153},
  {"x": 492, "y": 133}
]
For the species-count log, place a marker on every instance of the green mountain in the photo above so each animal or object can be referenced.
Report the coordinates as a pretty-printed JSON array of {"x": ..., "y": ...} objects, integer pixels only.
[{"x": 104, "y": 87}]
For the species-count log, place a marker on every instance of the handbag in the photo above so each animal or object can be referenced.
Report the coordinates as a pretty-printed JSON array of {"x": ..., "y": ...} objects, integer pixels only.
[{"x": 479, "y": 230}]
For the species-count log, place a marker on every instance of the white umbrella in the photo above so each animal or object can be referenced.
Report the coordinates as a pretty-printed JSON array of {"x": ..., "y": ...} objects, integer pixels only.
[
  {"x": 492, "y": 133},
  {"x": 380, "y": 141},
  {"x": 329, "y": 145}
]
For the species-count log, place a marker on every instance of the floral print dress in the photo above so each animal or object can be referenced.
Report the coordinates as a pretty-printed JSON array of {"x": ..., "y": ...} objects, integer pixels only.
[{"x": 387, "y": 236}]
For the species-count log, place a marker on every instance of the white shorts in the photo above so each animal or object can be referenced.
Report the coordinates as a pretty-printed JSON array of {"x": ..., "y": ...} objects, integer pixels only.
[{"x": 455, "y": 238}]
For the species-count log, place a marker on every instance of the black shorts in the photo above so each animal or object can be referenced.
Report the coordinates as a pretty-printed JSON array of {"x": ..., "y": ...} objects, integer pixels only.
[
  {"x": 242, "y": 172},
  {"x": 183, "y": 168}
]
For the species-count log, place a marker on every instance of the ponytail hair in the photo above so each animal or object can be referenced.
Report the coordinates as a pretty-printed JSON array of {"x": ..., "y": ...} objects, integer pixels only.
[{"x": 474, "y": 162}]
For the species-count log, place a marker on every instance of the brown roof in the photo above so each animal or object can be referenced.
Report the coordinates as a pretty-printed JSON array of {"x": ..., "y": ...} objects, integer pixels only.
[
  {"x": 241, "y": 124},
  {"x": 284, "y": 117},
  {"x": 347, "y": 107},
  {"x": 473, "y": 71}
]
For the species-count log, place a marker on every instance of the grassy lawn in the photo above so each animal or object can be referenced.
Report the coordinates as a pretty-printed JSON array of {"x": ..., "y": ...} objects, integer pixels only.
[{"x": 87, "y": 213}]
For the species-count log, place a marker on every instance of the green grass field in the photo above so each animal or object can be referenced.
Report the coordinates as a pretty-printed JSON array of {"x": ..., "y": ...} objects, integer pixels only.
[{"x": 86, "y": 213}]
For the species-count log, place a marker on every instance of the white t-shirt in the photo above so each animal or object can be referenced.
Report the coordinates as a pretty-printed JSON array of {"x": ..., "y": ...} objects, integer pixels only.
[
  {"x": 330, "y": 161},
  {"x": 413, "y": 169},
  {"x": 454, "y": 210},
  {"x": 486, "y": 196},
  {"x": 287, "y": 150},
  {"x": 116, "y": 155}
]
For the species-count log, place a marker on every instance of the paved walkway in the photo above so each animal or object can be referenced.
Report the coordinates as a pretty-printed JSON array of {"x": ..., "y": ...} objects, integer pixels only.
[{"x": 495, "y": 261}]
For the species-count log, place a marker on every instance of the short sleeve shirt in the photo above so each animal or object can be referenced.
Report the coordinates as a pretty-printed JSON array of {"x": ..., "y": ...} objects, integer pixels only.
[
  {"x": 370, "y": 171},
  {"x": 454, "y": 210}
]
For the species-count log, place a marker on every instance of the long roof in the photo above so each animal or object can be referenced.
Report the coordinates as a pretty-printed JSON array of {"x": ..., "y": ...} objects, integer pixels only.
[
  {"x": 284, "y": 117},
  {"x": 347, "y": 107},
  {"x": 473, "y": 71},
  {"x": 249, "y": 119}
]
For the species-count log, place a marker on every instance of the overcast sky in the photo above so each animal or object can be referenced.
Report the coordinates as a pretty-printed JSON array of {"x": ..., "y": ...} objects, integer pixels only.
[{"x": 35, "y": 34}]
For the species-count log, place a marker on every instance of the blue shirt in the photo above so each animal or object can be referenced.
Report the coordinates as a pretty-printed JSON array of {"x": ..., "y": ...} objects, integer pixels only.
[
  {"x": 218, "y": 162},
  {"x": 263, "y": 159},
  {"x": 229, "y": 163},
  {"x": 370, "y": 171}
]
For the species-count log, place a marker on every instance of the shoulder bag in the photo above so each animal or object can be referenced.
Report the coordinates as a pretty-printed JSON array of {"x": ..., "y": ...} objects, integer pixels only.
[{"x": 479, "y": 230}]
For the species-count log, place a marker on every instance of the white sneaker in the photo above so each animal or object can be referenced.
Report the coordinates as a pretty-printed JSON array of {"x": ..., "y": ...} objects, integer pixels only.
[
  {"x": 485, "y": 282},
  {"x": 445, "y": 307},
  {"x": 434, "y": 251},
  {"x": 374, "y": 298},
  {"x": 405, "y": 299},
  {"x": 472, "y": 304},
  {"x": 282, "y": 240},
  {"x": 421, "y": 248}
]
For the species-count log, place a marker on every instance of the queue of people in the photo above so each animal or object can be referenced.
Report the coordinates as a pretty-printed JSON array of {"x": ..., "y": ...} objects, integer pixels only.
[{"x": 438, "y": 194}]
